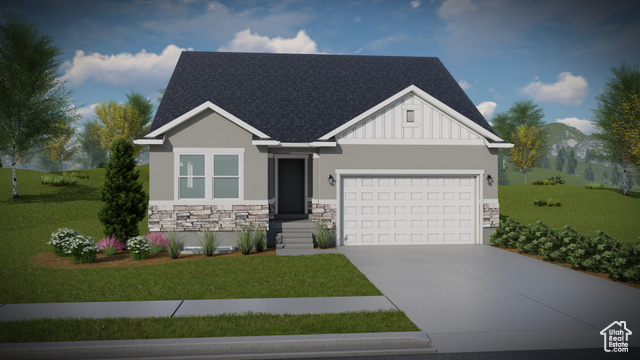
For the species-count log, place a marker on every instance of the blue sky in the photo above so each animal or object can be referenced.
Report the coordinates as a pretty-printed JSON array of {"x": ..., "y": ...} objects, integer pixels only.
[{"x": 553, "y": 51}]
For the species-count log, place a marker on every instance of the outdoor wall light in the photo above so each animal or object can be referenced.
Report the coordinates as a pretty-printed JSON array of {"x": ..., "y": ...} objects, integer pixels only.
[
  {"x": 332, "y": 181},
  {"x": 489, "y": 180}
]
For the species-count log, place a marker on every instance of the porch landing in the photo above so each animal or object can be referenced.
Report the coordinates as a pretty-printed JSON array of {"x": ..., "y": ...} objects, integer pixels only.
[{"x": 293, "y": 232}]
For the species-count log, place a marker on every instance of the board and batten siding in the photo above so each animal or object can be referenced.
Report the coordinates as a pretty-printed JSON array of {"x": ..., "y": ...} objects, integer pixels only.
[{"x": 389, "y": 123}]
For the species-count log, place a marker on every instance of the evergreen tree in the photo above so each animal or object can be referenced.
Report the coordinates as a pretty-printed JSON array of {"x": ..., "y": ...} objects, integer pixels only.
[
  {"x": 572, "y": 162},
  {"x": 588, "y": 173},
  {"x": 615, "y": 175},
  {"x": 560, "y": 159},
  {"x": 605, "y": 177},
  {"x": 125, "y": 202},
  {"x": 587, "y": 156}
]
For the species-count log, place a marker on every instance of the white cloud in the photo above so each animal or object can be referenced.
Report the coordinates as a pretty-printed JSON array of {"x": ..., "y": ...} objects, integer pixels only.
[
  {"x": 380, "y": 44},
  {"x": 464, "y": 84},
  {"x": 586, "y": 126},
  {"x": 568, "y": 90},
  {"x": 142, "y": 70},
  {"x": 357, "y": 19},
  {"x": 487, "y": 108},
  {"x": 416, "y": 4},
  {"x": 87, "y": 112},
  {"x": 245, "y": 41}
]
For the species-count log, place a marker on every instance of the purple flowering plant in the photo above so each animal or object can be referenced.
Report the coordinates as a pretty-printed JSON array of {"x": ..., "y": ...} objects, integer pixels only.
[{"x": 109, "y": 245}]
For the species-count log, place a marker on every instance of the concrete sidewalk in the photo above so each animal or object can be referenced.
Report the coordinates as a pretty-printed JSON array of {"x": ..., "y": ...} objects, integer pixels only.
[
  {"x": 171, "y": 308},
  {"x": 293, "y": 346}
]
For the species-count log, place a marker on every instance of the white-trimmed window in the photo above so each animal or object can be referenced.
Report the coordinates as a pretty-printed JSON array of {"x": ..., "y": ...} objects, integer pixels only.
[
  {"x": 209, "y": 174},
  {"x": 410, "y": 115}
]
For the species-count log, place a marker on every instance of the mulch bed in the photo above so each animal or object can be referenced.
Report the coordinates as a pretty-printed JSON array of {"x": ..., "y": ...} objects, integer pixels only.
[
  {"x": 568, "y": 266},
  {"x": 121, "y": 258}
]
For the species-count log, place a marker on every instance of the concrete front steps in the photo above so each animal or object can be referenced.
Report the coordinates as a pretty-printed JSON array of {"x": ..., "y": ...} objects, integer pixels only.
[{"x": 293, "y": 232}]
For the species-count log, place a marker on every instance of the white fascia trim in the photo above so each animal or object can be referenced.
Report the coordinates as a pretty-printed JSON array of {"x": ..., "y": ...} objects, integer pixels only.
[
  {"x": 146, "y": 141},
  {"x": 323, "y": 144},
  {"x": 314, "y": 144},
  {"x": 168, "y": 204},
  {"x": 355, "y": 172},
  {"x": 457, "y": 142},
  {"x": 501, "y": 145},
  {"x": 211, "y": 106},
  {"x": 426, "y": 97},
  {"x": 265, "y": 142}
]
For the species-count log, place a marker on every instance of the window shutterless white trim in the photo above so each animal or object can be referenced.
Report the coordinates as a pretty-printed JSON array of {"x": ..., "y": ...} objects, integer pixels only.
[
  {"x": 426, "y": 97},
  {"x": 204, "y": 106},
  {"x": 305, "y": 157},
  {"x": 208, "y": 174},
  {"x": 342, "y": 173},
  {"x": 415, "y": 116}
]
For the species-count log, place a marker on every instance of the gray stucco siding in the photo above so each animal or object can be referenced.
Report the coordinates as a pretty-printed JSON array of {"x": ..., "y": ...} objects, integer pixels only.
[
  {"x": 207, "y": 130},
  {"x": 450, "y": 157}
]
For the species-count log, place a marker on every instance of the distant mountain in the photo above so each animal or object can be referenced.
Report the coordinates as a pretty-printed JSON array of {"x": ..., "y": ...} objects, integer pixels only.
[{"x": 560, "y": 135}]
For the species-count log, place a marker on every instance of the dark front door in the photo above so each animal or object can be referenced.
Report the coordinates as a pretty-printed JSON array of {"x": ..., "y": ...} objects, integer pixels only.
[{"x": 291, "y": 197}]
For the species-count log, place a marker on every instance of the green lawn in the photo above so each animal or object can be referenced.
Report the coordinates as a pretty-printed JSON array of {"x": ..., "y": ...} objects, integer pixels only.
[
  {"x": 27, "y": 224},
  {"x": 585, "y": 210},
  {"x": 252, "y": 324}
]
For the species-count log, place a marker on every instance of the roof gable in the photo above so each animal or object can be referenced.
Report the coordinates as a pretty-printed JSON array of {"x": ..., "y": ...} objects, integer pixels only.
[{"x": 299, "y": 97}]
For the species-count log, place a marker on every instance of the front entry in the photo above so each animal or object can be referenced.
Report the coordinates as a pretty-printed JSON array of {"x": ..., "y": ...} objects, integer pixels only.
[{"x": 291, "y": 196}]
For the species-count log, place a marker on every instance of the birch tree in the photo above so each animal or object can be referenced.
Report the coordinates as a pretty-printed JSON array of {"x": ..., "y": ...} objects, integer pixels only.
[
  {"x": 527, "y": 150},
  {"x": 33, "y": 101}
]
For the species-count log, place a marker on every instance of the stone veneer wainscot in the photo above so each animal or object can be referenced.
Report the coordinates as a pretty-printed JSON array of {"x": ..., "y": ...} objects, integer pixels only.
[{"x": 201, "y": 217}]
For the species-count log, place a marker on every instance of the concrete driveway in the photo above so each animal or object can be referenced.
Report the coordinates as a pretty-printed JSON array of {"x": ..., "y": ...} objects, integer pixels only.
[{"x": 480, "y": 298}]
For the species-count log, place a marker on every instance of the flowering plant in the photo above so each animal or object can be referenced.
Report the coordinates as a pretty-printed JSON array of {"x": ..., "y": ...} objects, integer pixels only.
[
  {"x": 138, "y": 247},
  {"x": 109, "y": 245},
  {"x": 60, "y": 241},
  {"x": 157, "y": 242},
  {"x": 83, "y": 249}
]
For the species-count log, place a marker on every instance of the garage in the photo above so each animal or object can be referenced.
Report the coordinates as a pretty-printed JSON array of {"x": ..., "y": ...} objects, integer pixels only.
[{"x": 405, "y": 208}]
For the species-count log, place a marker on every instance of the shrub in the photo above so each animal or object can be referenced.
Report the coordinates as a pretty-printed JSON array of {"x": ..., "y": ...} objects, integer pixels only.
[
  {"x": 544, "y": 182},
  {"x": 323, "y": 235},
  {"x": 157, "y": 242},
  {"x": 625, "y": 265},
  {"x": 109, "y": 245},
  {"x": 546, "y": 202},
  {"x": 176, "y": 243},
  {"x": 596, "y": 186},
  {"x": 507, "y": 234},
  {"x": 260, "y": 239},
  {"x": 559, "y": 251},
  {"x": 124, "y": 200},
  {"x": 138, "y": 247},
  {"x": 83, "y": 249},
  {"x": 606, "y": 250},
  {"x": 556, "y": 179},
  {"x": 208, "y": 241},
  {"x": 57, "y": 180},
  {"x": 60, "y": 240},
  {"x": 245, "y": 239}
]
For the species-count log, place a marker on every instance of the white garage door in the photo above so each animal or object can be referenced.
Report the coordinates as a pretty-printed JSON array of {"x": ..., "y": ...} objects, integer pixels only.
[{"x": 409, "y": 210}]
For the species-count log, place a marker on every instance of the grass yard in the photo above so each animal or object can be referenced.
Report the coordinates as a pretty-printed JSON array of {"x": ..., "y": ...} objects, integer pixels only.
[
  {"x": 585, "y": 210},
  {"x": 27, "y": 224},
  {"x": 252, "y": 324}
]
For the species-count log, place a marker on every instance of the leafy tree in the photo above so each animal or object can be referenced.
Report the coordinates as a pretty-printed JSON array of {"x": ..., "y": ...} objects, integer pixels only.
[
  {"x": 522, "y": 112},
  {"x": 161, "y": 92},
  {"x": 560, "y": 159},
  {"x": 91, "y": 152},
  {"x": 46, "y": 164},
  {"x": 33, "y": 101},
  {"x": 62, "y": 147},
  {"x": 605, "y": 177},
  {"x": 144, "y": 107},
  {"x": 588, "y": 173},
  {"x": 117, "y": 121},
  {"x": 124, "y": 200},
  {"x": 572, "y": 162},
  {"x": 587, "y": 156},
  {"x": 626, "y": 126},
  {"x": 527, "y": 149},
  {"x": 619, "y": 89}
]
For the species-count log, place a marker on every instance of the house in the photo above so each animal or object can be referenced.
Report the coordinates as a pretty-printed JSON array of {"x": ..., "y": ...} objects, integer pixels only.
[{"x": 388, "y": 150}]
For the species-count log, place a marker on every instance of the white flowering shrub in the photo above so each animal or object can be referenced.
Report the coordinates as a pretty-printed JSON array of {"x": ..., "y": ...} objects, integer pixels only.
[
  {"x": 138, "y": 247},
  {"x": 83, "y": 249},
  {"x": 60, "y": 241}
]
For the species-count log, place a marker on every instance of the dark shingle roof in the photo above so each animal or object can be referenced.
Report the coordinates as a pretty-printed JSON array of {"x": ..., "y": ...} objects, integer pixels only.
[{"x": 299, "y": 98}]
